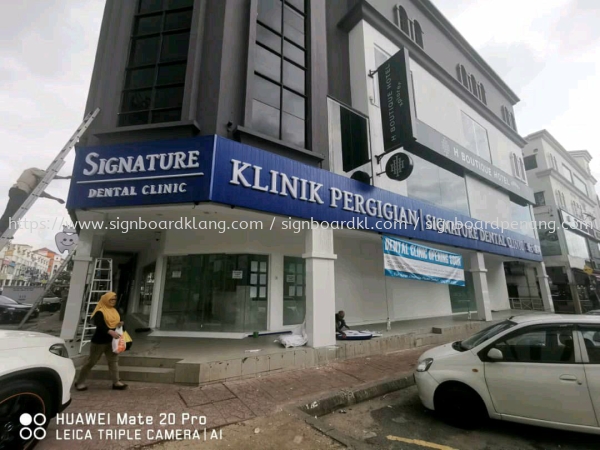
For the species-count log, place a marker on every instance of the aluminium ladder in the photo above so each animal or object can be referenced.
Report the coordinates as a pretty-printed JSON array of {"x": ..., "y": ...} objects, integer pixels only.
[
  {"x": 49, "y": 284},
  {"x": 51, "y": 172},
  {"x": 101, "y": 283}
]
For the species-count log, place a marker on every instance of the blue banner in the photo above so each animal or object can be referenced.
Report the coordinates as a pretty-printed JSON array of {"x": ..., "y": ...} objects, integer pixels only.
[
  {"x": 402, "y": 259},
  {"x": 216, "y": 169}
]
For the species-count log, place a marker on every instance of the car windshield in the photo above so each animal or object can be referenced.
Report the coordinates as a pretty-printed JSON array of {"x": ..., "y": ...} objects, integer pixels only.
[
  {"x": 7, "y": 301},
  {"x": 486, "y": 334}
]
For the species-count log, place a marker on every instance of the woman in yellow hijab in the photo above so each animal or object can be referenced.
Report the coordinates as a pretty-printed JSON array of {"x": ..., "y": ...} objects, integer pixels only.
[{"x": 106, "y": 318}]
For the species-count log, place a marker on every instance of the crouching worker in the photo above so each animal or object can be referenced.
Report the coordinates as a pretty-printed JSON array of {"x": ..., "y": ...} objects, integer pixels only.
[
  {"x": 340, "y": 323},
  {"x": 106, "y": 318}
]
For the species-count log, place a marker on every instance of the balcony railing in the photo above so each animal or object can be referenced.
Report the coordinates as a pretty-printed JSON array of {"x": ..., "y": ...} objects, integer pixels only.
[{"x": 527, "y": 303}]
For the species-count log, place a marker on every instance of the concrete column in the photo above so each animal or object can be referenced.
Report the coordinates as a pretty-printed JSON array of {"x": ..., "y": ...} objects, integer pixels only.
[
  {"x": 81, "y": 262},
  {"x": 574, "y": 293},
  {"x": 482, "y": 294},
  {"x": 159, "y": 282},
  {"x": 320, "y": 287},
  {"x": 543, "y": 278},
  {"x": 275, "y": 307}
]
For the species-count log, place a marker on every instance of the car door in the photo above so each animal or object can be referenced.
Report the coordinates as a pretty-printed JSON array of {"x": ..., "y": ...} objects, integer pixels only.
[
  {"x": 589, "y": 340},
  {"x": 540, "y": 376}
]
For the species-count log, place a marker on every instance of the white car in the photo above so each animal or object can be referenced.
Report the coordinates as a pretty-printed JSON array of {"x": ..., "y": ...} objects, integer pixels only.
[
  {"x": 36, "y": 375},
  {"x": 538, "y": 369}
]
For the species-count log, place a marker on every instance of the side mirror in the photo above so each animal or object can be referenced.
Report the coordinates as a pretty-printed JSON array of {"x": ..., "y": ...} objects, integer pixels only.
[{"x": 495, "y": 354}]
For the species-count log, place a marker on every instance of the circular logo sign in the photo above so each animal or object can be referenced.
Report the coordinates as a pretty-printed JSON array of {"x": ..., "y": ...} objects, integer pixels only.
[{"x": 399, "y": 167}]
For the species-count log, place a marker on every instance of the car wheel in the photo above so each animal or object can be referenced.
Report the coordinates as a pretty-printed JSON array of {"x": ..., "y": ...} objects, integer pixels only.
[
  {"x": 459, "y": 405},
  {"x": 25, "y": 408}
]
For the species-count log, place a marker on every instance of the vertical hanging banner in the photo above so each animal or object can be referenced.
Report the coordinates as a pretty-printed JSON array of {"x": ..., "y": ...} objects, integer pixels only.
[
  {"x": 397, "y": 105},
  {"x": 402, "y": 259}
]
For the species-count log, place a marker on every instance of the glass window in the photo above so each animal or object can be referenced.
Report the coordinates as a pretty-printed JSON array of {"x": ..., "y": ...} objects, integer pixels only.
[
  {"x": 521, "y": 215},
  {"x": 265, "y": 119},
  {"x": 148, "y": 51},
  {"x": 543, "y": 344},
  {"x": 281, "y": 58},
  {"x": 436, "y": 185},
  {"x": 579, "y": 184},
  {"x": 530, "y": 162},
  {"x": 355, "y": 145},
  {"x": 462, "y": 298},
  {"x": 267, "y": 92},
  {"x": 540, "y": 199},
  {"x": 549, "y": 242},
  {"x": 294, "y": 290},
  {"x": 591, "y": 338},
  {"x": 567, "y": 173},
  {"x": 487, "y": 333},
  {"x": 476, "y": 138},
  {"x": 215, "y": 292},
  {"x": 576, "y": 245}
]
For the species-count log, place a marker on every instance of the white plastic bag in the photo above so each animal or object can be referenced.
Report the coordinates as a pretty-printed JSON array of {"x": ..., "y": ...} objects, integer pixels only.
[
  {"x": 298, "y": 338},
  {"x": 118, "y": 344}
]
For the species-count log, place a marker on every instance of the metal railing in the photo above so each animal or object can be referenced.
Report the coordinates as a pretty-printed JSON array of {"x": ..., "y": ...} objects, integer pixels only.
[{"x": 526, "y": 303}]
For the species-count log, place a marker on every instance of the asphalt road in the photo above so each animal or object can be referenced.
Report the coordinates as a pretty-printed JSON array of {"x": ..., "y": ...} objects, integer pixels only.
[{"x": 399, "y": 421}]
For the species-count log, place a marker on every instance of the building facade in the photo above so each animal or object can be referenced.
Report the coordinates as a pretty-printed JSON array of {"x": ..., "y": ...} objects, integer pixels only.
[
  {"x": 22, "y": 266},
  {"x": 55, "y": 260},
  {"x": 568, "y": 215},
  {"x": 250, "y": 119}
]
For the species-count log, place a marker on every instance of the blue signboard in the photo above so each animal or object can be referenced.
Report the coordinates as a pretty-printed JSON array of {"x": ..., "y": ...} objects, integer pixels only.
[
  {"x": 143, "y": 173},
  {"x": 403, "y": 259},
  {"x": 223, "y": 171}
]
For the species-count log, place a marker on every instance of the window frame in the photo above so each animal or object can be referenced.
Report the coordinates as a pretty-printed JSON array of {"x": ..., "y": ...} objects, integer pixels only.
[
  {"x": 533, "y": 158},
  {"x": 487, "y": 138},
  {"x": 585, "y": 359},
  {"x": 254, "y": 71},
  {"x": 543, "y": 195},
  {"x": 569, "y": 171},
  {"x": 482, "y": 354},
  {"x": 585, "y": 191},
  {"x": 163, "y": 12}
]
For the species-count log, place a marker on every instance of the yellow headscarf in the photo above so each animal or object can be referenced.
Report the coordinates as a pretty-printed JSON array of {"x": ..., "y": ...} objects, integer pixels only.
[{"x": 110, "y": 313}]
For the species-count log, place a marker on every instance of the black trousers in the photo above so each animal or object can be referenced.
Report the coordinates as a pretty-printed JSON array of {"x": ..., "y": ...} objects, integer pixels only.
[{"x": 16, "y": 197}]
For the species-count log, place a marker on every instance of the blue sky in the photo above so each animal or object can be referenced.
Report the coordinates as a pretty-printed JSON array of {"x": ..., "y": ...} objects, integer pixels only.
[{"x": 548, "y": 52}]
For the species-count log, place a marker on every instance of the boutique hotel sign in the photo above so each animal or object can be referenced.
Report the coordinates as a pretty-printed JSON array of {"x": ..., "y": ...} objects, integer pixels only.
[{"x": 214, "y": 169}]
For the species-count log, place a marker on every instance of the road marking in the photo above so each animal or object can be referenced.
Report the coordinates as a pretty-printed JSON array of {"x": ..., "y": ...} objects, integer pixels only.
[{"x": 420, "y": 442}]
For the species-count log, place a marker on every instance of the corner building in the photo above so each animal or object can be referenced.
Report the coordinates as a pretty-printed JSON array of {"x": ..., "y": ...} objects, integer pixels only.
[{"x": 269, "y": 111}]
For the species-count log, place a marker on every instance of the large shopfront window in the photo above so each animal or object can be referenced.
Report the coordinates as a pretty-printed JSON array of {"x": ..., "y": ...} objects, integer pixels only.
[
  {"x": 438, "y": 186},
  {"x": 146, "y": 290},
  {"x": 577, "y": 245},
  {"x": 216, "y": 293},
  {"x": 294, "y": 290},
  {"x": 549, "y": 242},
  {"x": 462, "y": 298}
]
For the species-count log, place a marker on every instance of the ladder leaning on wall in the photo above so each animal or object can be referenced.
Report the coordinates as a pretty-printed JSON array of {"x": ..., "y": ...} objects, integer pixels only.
[
  {"x": 101, "y": 283},
  {"x": 51, "y": 172}
]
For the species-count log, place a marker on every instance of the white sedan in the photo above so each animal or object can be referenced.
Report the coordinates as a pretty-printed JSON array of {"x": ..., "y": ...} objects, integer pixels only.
[
  {"x": 537, "y": 369},
  {"x": 36, "y": 375}
]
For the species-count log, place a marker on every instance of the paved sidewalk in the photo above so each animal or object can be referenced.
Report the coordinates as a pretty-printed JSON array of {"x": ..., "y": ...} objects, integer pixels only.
[{"x": 221, "y": 403}]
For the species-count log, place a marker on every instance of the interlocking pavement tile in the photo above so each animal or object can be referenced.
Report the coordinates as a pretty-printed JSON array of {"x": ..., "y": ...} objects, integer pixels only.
[
  {"x": 194, "y": 397},
  {"x": 217, "y": 392},
  {"x": 213, "y": 415},
  {"x": 234, "y": 410}
]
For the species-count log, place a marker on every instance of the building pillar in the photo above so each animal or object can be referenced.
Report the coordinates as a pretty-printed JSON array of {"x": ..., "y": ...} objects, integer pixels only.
[
  {"x": 159, "y": 277},
  {"x": 573, "y": 288},
  {"x": 81, "y": 262},
  {"x": 320, "y": 287},
  {"x": 276, "y": 294},
  {"x": 543, "y": 278},
  {"x": 480, "y": 284}
]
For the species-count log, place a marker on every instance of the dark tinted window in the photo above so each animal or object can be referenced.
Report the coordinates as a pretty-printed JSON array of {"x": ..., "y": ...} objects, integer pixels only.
[
  {"x": 355, "y": 146},
  {"x": 539, "y": 344},
  {"x": 591, "y": 339},
  {"x": 158, "y": 57},
  {"x": 279, "y": 108},
  {"x": 530, "y": 162}
]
